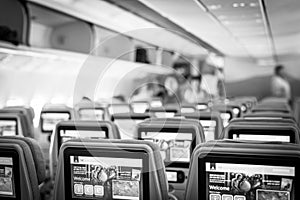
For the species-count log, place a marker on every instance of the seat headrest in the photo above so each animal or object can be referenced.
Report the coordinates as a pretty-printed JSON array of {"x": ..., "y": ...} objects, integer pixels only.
[
  {"x": 159, "y": 186},
  {"x": 36, "y": 151}
]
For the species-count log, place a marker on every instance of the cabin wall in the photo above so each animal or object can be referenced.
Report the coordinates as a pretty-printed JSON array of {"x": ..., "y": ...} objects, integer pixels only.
[{"x": 244, "y": 77}]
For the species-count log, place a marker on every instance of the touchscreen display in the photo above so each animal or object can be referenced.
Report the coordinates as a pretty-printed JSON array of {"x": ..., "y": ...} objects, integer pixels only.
[
  {"x": 114, "y": 109},
  {"x": 106, "y": 177},
  {"x": 187, "y": 110},
  {"x": 156, "y": 103},
  {"x": 164, "y": 114},
  {"x": 267, "y": 138},
  {"x": 91, "y": 114},
  {"x": 139, "y": 107},
  {"x": 225, "y": 118},
  {"x": 209, "y": 127},
  {"x": 8, "y": 127},
  {"x": 174, "y": 147},
  {"x": 227, "y": 181},
  {"x": 171, "y": 176},
  {"x": 66, "y": 135},
  {"x": 7, "y": 185},
  {"x": 202, "y": 107},
  {"x": 51, "y": 119}
]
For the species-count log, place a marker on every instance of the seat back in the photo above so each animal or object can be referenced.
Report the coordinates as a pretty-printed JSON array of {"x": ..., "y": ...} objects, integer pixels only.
[
  {"x": 23, "y": 168},
  {"x": 244, "y": 170},
  {"x": 139, "y": 106},
  {"x": 226, "y": 113},
  {"x": 52, "y": 114},
  {"x": 297, "y": 110},
  {"x": 127, "y": 123},
  {"x": 66, "y": 130},
  {"x": 92, "y": 111},
  {"x": 269, "y": 115},
  {"x": 24, "y": 117},
  {"x": 118, "y": 108},
  {"x": 210, "y": 121},
  {"x": 120, "y": 169},
  {"x": 28, "y": 112},
  {"x": 13, "y": 124},
  {"x": 267, "y": 130},
  {"x": 188, "y": 108},
  {"x": 163, "y": 112},
  {"x": 176, "y": 138}
]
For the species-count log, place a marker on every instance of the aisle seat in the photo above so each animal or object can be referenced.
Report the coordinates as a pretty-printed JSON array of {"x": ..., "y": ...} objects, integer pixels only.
[
  {"x": 24, "y": 168},
  {"x": 176, "y": 138},
  {"x": 210, "y": 121},
  {"x": 275, "y": 131},
  {"x": 241, "y": 169},
  {"x": 66, "y": 130},
  {"x": 120, "y": 169}
]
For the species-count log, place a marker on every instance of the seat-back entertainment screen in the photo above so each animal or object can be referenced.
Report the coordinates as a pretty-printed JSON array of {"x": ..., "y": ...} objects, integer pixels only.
[
  {"x": 174, "y": 146},
  {"x": 8, "y": 127},
  {"x": 7, "y": 181},
  {"x": 263, "y": 135},
  {"x": 50, "y": 119},
  {"x": 226, "y": 117},
  {"x": 91, "y": 114},
  {"x": 267, "y": 138},
  {"x": 67, "y": 133},
  {"x": 164, "y": 114},
  {"x": 187, "y": 110},
  {"x": 106, "y": 175},
  {"x": 115, "y": 109},
  {"x": 209, "y": 127},
  {"x": 202, "y": 107},
  {"x": 230, "y": 181},
  {"x": 139, "y": 107}
]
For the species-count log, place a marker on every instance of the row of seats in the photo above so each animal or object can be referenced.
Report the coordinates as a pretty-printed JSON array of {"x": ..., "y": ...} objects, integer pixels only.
[{"x": 161, "y": 158}]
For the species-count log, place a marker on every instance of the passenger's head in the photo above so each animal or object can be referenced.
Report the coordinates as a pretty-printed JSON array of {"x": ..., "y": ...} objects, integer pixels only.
[{"x": 279, "y": 70}]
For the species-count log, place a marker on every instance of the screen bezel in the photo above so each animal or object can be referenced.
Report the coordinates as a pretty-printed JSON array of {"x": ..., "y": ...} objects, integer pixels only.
[
  {"x": 15, "y": 120},
  {"x": 79, "y": 128},
  {"x": 16, "y": 171},
  {"x": 244, "y": 159},
  {"x": 274, "y": 132},
  {"x": 42, "y": 119},
  {"x": 95, "y": 152},
  {"x": 172, "y": 130}
]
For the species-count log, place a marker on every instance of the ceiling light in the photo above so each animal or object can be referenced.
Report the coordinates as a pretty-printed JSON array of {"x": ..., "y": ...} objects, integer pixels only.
[
  {"x": 214, "y": 7},
  {"x": 253, "y": 4},
  {"x": 242, "y": 4},
  {"x": 235, "y": 5}
]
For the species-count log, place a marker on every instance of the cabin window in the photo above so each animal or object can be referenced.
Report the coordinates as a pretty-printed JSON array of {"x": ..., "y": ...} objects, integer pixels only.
[{"x": 51, "y": 29}]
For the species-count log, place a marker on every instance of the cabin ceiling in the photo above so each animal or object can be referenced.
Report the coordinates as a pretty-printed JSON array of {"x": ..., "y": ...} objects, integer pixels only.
[{"x": 265, "y": 30}]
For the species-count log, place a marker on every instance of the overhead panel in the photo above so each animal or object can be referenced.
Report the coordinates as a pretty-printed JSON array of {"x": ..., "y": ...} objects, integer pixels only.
[
  {"x": 247, "y": 21},
  {"x": 112, "y": 17}
]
